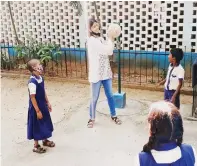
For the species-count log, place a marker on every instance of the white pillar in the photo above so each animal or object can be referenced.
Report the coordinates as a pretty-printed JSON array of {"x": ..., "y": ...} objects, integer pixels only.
[
  {"x": 187, "y": 25},
  {"x": 83, "y": 22}
]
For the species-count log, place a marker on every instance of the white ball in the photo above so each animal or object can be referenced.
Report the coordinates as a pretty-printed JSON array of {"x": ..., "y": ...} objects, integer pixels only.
[{"x": 114, "y": 30}]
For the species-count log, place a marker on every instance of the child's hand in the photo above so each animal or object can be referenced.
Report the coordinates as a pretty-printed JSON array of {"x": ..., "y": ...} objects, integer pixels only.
[
  {"x": 158, "y": 84},
  {"x": 173, "y": 100},
  {"x": 39, "y": 115},
  {"x": 49, "y": 107}
]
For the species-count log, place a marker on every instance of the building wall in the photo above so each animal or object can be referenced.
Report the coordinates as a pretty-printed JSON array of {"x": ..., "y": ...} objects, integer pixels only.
[
  {"x": 145, "y": 24},
  {"x": 164, "y": 24},
  {"x": 43, "y": 20}
]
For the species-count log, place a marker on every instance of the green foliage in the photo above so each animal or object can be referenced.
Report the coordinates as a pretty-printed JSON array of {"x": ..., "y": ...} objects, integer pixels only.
[
  {"x": 47, "y": 52},
  {"x": 43, "y": 51},
  {"x": 28, "y": 50},
  {"x": 7, "y": 63}
]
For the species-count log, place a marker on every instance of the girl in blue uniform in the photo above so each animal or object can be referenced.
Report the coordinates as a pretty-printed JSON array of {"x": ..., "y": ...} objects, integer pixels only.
[
  {"x": 165, "y": 147},
  {"x": 39, "y": 126}
]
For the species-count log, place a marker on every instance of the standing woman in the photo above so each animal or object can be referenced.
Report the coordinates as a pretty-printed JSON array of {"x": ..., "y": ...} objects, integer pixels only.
[{"x": 99, "y": 70}]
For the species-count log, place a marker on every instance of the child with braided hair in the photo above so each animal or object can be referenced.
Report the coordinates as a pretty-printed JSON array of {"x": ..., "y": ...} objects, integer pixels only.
[
  {"x": 165, "y": 147},
  {"x": 177, "y": 134}
]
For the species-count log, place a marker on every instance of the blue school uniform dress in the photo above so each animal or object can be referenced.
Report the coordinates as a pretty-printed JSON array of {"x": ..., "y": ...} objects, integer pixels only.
[
  {"x": 43, "y": 128},
  {"x": 172, "y": 81},
  {"x": 168, "y": 154}
]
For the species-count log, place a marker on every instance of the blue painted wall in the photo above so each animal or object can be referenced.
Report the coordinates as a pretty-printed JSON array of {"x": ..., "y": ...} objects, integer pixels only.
[{"x": 158, "y": 59}]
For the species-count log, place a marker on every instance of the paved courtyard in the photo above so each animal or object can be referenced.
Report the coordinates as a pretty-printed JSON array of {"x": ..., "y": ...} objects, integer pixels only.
[{"x": 105, "y": 145}]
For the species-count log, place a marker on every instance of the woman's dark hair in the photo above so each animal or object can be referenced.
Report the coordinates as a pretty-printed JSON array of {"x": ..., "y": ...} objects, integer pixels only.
[
  {"x": 92, "y": 20},
  {"x": 160, "y": 130},
  {"x": 177, "y": 53},
  {"x": 178, "y": 130},
  {"x": 164, "y": 127}
]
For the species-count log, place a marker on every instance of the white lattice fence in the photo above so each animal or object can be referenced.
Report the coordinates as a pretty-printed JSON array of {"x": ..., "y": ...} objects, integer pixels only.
[
  {"x": 164, "y": 24},
  {"x": 45, "y": 21}
]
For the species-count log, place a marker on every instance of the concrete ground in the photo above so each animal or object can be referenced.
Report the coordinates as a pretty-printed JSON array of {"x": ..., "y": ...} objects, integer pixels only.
[{"x": 106, "y": 144}]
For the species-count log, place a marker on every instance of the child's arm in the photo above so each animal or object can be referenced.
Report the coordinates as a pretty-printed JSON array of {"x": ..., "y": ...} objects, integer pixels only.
[
  {"x": 177, "y": 90},
  {"x": 181, "y": 78},
  {"x": 46, "y": 98},
  {"x": 162, "y": 82},
  {"x": 47, "y": 101},
  {"x": 34, "y": 102},
  {"x": 32, "y": 91}
]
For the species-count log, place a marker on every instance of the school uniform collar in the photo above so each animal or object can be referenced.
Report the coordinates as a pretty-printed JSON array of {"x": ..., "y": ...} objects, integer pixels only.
[
  {"x": 38, "y": 79},
  {"x": 166, "y": 153},
  {"x": 174, "y": 66}
]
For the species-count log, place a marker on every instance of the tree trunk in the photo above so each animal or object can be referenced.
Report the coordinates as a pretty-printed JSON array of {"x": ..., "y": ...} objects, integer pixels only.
[
  {"x": 97, "y": 15},
  {"x": 13, "y": 25}
]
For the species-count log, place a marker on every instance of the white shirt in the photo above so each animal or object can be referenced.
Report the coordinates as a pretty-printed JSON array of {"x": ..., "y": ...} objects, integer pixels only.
[
  {"x": 32, "y": 86},
  {"x": 98, "y": 59},
  {"x": 173, "y": 76}
]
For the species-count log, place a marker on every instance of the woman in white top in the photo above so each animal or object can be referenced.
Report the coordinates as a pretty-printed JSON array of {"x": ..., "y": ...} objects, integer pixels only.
[{"x": 99, "y": 70}]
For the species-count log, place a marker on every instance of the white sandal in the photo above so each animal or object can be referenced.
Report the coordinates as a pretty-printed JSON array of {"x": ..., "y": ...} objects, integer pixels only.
[{"x": 90, "y": 123}]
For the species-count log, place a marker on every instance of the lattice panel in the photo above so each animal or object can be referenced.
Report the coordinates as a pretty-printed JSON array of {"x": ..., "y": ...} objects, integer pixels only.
[
  {"x": 194, "y": 27},
  {"x": 45, "y": 21},
  {"x": 145, "y": 24}
]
